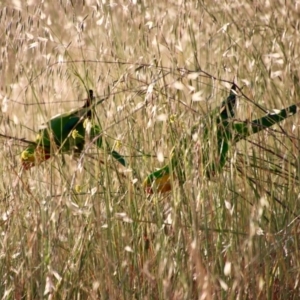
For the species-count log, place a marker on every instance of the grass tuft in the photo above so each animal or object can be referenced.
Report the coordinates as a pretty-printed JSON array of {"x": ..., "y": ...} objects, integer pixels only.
[{"x": 83, "y": 227}]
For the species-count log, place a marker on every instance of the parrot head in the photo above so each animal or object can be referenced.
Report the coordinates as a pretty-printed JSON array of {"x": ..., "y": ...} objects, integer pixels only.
[{"x": 32, "y": 156}]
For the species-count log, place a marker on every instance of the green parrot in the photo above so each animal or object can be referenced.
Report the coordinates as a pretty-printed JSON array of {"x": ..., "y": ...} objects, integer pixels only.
[
  {"x": 65, "y": 133},
  {"x": 220, "y": 132}
]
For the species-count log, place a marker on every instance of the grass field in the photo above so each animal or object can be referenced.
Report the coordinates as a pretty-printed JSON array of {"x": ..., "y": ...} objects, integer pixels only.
[{"x": 81, "y": 229}]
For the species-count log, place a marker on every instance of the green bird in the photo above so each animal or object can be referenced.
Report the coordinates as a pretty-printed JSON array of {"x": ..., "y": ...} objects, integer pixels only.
[
  {"x": 66, "y": 133},
  {"x": 220, "y": 132}
]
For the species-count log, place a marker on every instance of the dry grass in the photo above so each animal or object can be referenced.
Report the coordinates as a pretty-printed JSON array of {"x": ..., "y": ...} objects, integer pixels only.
[{"x": 82, "y": 230}]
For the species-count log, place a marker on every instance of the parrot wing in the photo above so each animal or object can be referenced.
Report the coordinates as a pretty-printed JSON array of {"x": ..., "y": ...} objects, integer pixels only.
[
  {"x": 216, "y": 124},
  {"x": 220, "y": 133},
  {"x": 64, "y": 132}
]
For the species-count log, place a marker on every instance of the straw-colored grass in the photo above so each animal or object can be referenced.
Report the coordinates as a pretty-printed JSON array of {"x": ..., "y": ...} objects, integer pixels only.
[{"x": 79, "y": 229}]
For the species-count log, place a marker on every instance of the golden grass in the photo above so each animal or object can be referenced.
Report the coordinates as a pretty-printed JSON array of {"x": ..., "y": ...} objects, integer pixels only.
[{"x": 84, "y": 230}]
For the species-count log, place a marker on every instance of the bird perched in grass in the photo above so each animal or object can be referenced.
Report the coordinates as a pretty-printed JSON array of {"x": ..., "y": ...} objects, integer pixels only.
[
  {"x": 219, "y": 132},
  {"x": 65, "y": 133}
]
